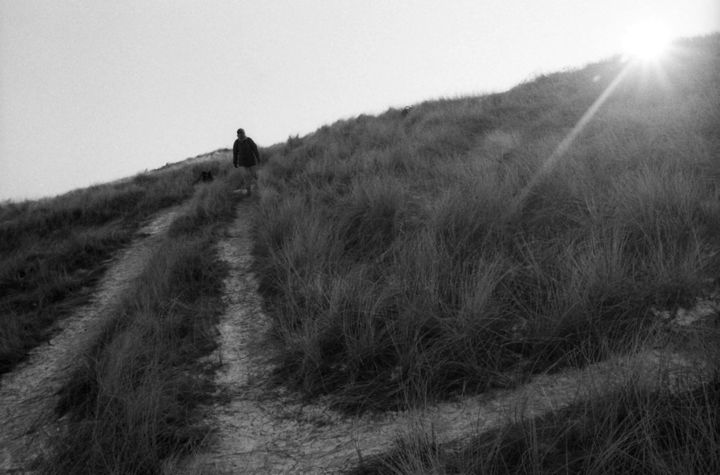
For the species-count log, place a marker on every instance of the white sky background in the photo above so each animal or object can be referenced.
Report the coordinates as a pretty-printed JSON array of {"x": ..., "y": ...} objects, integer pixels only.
[{"x": 91, "y": 91}]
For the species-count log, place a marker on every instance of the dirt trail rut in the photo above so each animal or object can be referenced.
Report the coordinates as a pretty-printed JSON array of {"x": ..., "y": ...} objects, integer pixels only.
[
  {"x": 264, "y": 430},
  {"x": 28, "y": 394}
]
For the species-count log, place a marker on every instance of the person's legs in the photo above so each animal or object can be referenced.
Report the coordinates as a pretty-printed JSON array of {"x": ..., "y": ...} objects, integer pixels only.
[{"x": 251, "y": 177}]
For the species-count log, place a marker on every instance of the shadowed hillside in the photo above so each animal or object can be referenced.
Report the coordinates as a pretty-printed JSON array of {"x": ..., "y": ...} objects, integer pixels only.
[{"x": 468, "y": 243}]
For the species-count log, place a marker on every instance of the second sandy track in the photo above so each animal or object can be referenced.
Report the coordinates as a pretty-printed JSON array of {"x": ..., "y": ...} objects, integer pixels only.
[{"x": 28, "y": 394}]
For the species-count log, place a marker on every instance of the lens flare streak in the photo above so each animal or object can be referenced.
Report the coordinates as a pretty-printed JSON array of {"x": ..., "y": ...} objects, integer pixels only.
[{"x": 567, "y": 141}]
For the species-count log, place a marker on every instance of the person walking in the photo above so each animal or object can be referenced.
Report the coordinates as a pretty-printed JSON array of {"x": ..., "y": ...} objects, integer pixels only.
[{"x": 246, "y": 155}]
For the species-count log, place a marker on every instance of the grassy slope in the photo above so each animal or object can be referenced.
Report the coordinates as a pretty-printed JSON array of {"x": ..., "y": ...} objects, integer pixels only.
[
  {"x": 131, "y": 403},
  {"x": 53, "y": 251},
  {"x": 393, "y": 262}
]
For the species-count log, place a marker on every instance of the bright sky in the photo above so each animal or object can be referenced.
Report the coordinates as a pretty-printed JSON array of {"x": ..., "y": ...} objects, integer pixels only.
[{"x": 91, "y": 91}]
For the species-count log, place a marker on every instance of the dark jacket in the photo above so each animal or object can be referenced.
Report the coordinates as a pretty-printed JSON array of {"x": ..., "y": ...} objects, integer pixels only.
[{"x": 245, "y": 153}]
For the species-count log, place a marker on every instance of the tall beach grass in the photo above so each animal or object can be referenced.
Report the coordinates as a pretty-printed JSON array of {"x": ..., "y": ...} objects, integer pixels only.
[{"x": 393, "y": 256}]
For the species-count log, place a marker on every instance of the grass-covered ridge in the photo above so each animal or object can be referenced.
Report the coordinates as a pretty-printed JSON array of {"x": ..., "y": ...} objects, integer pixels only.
[
  {"x": 394, "y": 261},
  {"x": 53, "y": 251}
]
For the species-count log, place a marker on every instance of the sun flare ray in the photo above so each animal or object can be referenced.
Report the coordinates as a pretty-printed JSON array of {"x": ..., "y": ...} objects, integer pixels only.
[{"x": 566, "y": 142}]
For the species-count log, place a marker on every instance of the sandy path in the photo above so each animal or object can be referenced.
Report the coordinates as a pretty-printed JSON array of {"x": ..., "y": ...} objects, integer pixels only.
[
  {"x": 28, "y": 394},
  {"x": 263, "y": 430}
]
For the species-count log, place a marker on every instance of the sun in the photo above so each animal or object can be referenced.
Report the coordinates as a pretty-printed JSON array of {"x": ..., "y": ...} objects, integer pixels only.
[{"x": 647, "y": 41}]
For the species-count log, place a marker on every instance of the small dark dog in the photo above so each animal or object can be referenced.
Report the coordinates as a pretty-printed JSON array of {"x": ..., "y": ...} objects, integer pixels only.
[{"x": 206, "y": 176}]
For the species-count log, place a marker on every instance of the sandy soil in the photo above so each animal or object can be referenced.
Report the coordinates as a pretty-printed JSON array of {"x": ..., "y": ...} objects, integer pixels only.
[
  {"x": 28, "y": 394},
  {"x": 265, "y": 430}
]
